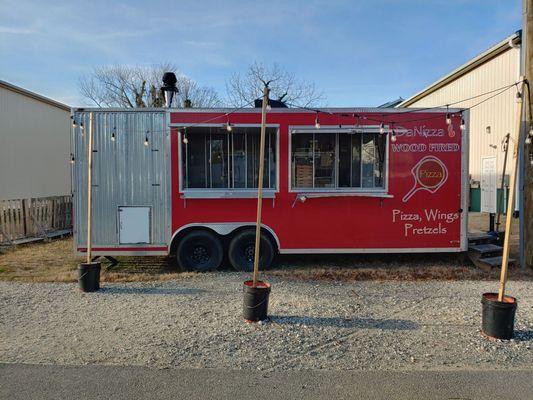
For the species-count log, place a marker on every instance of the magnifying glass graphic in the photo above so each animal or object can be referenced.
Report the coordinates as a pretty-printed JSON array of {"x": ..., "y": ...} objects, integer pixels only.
[{"x": 430, "y": 174}]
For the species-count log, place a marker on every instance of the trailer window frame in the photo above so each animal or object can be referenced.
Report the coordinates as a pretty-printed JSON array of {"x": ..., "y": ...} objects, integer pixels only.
[
  {"x": 335, "y": 130},
  {"x": 229, "y": 192}
]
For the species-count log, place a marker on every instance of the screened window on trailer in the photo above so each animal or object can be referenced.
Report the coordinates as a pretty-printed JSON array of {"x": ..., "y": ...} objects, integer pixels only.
[
  {"x": 338, "y": 160},
  {"x": 213, "y": 158}
]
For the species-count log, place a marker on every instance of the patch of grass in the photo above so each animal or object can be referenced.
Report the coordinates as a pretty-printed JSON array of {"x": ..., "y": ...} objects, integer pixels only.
[{"x": 55, "y": 262}]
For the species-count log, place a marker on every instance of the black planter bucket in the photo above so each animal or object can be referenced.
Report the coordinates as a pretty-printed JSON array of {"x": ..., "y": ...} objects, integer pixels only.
[
  {"x": 498, "y": 316},
  {"x": 255, "y": 301},
  {"x": 89, "y": 276}
]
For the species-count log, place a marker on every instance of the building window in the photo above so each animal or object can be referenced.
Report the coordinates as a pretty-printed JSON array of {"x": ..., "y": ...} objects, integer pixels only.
[
  {"x": 338, "y": 160},
  {"x": 213, "y": 158}
]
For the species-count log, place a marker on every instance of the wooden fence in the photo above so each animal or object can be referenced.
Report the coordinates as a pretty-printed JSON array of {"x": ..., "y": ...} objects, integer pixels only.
[{"x": 34, "y": 218}]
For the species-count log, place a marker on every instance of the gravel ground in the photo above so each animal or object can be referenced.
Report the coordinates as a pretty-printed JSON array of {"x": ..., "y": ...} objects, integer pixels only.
[{"x": 196, "y": 323}]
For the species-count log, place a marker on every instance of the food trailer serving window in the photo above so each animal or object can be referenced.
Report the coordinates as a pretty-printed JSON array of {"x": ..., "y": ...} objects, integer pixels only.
[
  {"x": 338, "y": 160},
  {"x": 213, "y": 158}
]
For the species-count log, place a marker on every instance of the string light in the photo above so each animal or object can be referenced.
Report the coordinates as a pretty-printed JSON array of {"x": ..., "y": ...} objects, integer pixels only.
[
  {"x": 113, "y": 137},
  {"x": 448, "y": 119},
  {"x": 463, "y": 124},
  {"x": 185, "y": 140},
  {"x": 381, "y": 128},
  {"x": 72, "y": 159},
  {"x": 317, "y": 121},
  {"x": 393, "y": 135},
  {"x": 529, "y": 135},
  {"x": 82, "y": 129},
  {"x": 74, "y": 124},
  {"x": 146, "y": 139}
]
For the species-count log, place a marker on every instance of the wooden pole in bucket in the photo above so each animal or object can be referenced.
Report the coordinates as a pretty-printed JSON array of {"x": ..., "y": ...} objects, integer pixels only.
[
  {"x": 512, "y": 190},
  {"x": 89, "y": 188},
  {"x": 266, "y": 91}
]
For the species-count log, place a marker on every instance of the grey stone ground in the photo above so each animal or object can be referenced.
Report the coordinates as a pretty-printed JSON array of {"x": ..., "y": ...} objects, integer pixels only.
[{"x": 196, "y": 323}]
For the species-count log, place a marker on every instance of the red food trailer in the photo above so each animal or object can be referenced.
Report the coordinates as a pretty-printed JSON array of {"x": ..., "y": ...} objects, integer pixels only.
[{"x": 183, "y": 182}]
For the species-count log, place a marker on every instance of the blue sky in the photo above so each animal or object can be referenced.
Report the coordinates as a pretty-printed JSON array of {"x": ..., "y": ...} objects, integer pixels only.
[{"x": 360, "y": 53}]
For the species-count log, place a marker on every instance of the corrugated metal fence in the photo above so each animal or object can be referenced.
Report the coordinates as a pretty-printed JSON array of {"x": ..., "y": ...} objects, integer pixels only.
[{"x": 34, "y": 218}]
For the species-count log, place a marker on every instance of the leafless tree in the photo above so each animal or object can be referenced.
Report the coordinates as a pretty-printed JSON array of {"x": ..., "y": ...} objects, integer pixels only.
[
  {"x": 139, "y": 86},
  {"x": 284, "y": 86}
]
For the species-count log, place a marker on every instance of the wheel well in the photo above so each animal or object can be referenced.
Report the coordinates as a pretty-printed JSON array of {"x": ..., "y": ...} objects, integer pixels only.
[
  {"x": 265, "y": 231},
  {"x": 181, "y": 234},
  {"x": 225, "y": 238}
]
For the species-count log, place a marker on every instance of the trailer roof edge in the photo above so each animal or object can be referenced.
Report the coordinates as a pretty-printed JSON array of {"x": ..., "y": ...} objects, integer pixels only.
[{"x": 377, "y": 110}]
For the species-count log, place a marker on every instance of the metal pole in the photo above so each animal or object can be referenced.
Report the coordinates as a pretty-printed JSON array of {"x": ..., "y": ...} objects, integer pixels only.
[
  {"x": 511, "y": 199},
  {"x": 506, "y": 144},
  {"x": 89, "y": 188},
  {"x": 266, "y": 90}
]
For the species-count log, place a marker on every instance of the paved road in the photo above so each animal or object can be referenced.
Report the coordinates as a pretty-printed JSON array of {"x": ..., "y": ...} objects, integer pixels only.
[{"x": 24, "y": 381}]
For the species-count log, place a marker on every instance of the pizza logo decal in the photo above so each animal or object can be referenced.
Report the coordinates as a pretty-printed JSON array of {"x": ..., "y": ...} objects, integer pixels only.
[{"x": 429, "y": 174}]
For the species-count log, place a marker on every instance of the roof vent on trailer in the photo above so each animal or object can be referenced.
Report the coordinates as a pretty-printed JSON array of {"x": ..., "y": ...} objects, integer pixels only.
[{"x": 169, "y": 87}]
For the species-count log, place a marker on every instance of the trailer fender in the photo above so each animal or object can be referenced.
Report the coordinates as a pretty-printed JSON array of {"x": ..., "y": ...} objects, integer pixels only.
[{"x": 223, "y": 229}]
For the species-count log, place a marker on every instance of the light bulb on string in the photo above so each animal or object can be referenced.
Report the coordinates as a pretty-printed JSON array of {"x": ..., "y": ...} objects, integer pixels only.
[
  {"x": 82, "y": 129},
  {"x": 185, "y": 140},
  {"x": 317, "y": 121},
  {"x": 392, "y": 135},
  {"x": 74, "y": 124},
  {"x": 528, "y": 140},
  {"x": 146, "y": 139},
  {"x": 381, "y": 128},
  {"x": 448, "y": 119},
  {"x": 463, "y": 124},
  {"x": 113, "y": 136},
  {"x": 72, "y": 159}
]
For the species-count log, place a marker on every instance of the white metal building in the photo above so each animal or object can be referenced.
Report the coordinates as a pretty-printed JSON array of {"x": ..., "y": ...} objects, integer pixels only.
[
  {"x": 490, "y": 121},
  {"x": 34, "y": 145}
]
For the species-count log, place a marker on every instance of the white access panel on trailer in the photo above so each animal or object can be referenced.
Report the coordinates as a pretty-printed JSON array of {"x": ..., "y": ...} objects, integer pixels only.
[{"x": 134, "y": 225}]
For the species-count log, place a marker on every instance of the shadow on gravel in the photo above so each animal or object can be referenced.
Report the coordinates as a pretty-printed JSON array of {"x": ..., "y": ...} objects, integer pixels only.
[
  {"x": 523, "y": 335},
  {"x": 150, "y": 290},
  {"x": 361, "y": 323}
]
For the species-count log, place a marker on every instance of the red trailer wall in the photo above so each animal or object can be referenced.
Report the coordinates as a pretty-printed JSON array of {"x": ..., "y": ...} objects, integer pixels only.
[{"x": 425, "y": 222}]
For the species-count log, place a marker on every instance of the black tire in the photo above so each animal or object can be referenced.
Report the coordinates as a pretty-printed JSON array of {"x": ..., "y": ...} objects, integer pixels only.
[
  {"x": 200, "y": 251},
  {"x": 241, "y": 251}
]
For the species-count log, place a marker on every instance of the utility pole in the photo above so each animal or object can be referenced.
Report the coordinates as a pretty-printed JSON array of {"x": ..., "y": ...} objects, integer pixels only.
[{"x": 526, "y": 256}]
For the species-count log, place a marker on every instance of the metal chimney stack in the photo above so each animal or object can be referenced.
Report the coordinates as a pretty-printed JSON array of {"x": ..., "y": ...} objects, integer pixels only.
[{"x": 169, "y": 88}]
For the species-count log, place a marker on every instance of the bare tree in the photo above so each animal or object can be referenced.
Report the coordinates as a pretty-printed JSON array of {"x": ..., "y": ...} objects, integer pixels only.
[
  {"x": 284, "y": 86},
  {"x": 139, "y": 86}
]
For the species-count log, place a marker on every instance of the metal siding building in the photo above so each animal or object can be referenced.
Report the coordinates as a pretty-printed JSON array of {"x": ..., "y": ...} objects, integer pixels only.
[
  {"x": 34, "y": 150},
  {"x": 497, "y": 67}
]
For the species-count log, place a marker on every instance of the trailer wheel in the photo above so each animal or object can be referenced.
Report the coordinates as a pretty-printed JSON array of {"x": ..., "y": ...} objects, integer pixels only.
[
  {"x": 200, "y": 251},
  {"x": 241, "y": 251}
]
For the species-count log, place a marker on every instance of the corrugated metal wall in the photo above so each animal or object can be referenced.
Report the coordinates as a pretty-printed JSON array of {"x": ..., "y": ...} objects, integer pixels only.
[
  {"x": 498, "y": 112},
  {"x": 34, "y": 147},
  {"x": 125, "y": 172}
]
